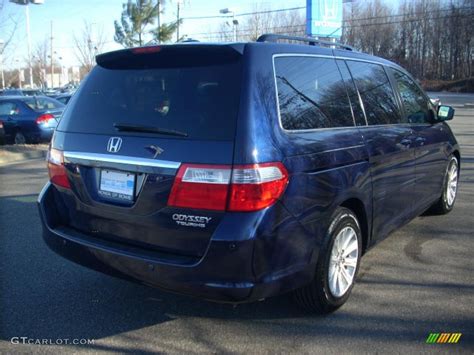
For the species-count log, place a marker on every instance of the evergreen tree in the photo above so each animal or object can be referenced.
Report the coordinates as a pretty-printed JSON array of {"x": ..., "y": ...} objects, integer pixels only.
[{"x": 138, "y": 17}]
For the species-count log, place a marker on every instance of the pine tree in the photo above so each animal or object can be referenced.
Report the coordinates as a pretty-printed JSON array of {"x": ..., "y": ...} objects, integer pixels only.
[{"x": 137, "y": 18}]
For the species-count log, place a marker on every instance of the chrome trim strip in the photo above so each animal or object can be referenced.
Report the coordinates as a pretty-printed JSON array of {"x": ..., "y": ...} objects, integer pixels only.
[{"x": 121, "y": 159}]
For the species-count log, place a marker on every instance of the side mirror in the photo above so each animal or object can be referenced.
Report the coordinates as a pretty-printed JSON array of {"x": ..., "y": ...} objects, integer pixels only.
[{"x": 445, "y": 113}]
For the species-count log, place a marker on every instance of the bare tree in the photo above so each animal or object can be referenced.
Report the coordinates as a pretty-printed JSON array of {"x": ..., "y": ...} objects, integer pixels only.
[
  {"x": 367, "y": 29},
  {"x": 433, "y": 39},
  {"x": 263, "y": 20},
  {"x": 40, "y": 61},
  {"x": 88, "y": 43},
  {"x": 8, "y": 27}
]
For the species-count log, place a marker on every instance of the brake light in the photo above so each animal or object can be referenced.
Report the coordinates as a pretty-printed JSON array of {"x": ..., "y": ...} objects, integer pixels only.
[
  {"x": 223, "y": 187},
  {"x": 145, "y": 50},
  {"x": 257, "y": 186},
  {"x": 201, "y": 187},
  {"x": 56, "y": 168},
  {"x": 1, "y": 124},
  {"x": 44, "y": 118}
]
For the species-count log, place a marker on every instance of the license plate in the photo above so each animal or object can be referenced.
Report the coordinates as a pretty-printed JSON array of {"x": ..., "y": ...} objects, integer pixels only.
[{"x": 118, "y": 185}]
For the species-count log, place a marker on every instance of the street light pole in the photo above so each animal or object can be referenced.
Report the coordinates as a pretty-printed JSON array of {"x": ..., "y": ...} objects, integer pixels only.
[
  {"x": 52, "y": 63},
  {"x": 1, "y": 62},
  {"x": 27, "y": 15},
  {"x": 177, "y": 20},
  {"x": 19, "y": 73},
  {"x": 158, "y": 34},
  {"x": 234, "y": 21}
]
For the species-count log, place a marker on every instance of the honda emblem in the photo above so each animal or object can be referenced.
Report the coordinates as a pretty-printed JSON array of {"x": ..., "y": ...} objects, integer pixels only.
[{"x": 114, "y": 144}]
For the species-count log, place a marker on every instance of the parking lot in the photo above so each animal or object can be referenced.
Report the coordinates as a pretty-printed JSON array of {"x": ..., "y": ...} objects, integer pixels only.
[{"x": 418, "y": 281}]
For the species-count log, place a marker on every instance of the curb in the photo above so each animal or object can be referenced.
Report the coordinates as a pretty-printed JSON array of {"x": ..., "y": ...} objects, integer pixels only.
[{"x": 11, "y": 157}]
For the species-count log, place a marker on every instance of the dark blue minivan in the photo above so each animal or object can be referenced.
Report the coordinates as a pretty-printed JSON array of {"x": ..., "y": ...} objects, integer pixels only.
[{"x": 236, "y": 172}]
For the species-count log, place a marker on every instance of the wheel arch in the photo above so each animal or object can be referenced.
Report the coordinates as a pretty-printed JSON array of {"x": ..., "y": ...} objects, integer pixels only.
[
  {"x": 457, "y": 154},
  {"x": 359, "y": 209}
]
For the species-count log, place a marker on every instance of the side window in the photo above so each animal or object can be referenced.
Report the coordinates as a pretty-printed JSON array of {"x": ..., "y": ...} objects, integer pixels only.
[
  {"x": 8, "y": 108},
  {"x": 352, "y": 92},
  {"x": 376, "y": 93},
  {"x": 414, "y": 101},
  {"x": 311, "y": 93}
]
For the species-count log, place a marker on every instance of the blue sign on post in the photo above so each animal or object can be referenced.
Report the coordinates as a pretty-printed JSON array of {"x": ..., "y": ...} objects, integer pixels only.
[{"x": 324, "y": 18}]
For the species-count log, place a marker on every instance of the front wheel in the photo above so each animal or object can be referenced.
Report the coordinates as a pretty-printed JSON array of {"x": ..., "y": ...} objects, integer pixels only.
[
  {"x": 337, "y": 266},
  {"x": 450, "y": 188}
]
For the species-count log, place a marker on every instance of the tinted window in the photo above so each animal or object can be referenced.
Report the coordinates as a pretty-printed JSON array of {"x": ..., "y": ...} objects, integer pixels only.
[
  {"x": 376, "y": 93},
  {"x": 201, "y": 101},
  {"x": 352, "y": 93},
  {"x": 311, "y": 93},
  {"x": 8, "y": 108},
  {"x": 414, "y": 101}
]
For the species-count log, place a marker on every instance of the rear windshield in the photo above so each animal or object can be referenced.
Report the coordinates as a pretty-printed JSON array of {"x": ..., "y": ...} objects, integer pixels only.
[
  {"x": 200, "y": 101},
  {"x": 43, "y": 103}
]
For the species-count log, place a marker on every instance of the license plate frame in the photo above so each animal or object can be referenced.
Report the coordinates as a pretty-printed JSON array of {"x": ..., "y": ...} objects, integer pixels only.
[{"x": 117, "y": 185}]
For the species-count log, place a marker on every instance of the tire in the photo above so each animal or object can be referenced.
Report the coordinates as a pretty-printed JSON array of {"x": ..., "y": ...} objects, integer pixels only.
[
  {"x": 322, "y": 295},
  {"x": 447, "y": 199},
  {"x": 19, "y": 138}
]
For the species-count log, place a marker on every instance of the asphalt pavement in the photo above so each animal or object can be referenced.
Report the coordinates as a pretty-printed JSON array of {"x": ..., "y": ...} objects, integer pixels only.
[{"x": 420, "y": 280}]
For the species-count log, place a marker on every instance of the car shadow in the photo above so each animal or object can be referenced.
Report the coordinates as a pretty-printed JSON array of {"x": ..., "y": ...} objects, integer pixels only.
[{"x": 44, "y": 296}]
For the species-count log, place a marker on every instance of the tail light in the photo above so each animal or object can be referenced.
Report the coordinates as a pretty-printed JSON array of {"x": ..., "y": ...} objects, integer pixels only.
[
  {"x": 1, "y": 124},
  {"x": 56, "y": 168},
  {"x": 44, "y": 118},
  {"x": 226, "y": 187},
  {"x": 257, "y": 186}
]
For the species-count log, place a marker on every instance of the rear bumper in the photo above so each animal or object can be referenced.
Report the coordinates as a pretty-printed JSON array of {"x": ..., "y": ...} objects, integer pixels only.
[{"x": 226, "y": 273}]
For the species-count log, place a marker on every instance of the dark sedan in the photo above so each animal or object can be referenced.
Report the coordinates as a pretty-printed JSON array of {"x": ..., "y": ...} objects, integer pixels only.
[{"x": 29, "y": 119}]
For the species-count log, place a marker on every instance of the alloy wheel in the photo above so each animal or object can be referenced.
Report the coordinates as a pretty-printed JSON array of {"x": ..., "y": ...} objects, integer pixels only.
[
  {"x": 452, "y": 183},
  {"x": 343, "y": 262}
]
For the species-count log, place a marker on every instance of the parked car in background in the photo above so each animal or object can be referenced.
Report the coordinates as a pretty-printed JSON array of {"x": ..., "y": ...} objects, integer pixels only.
[
  {"x": 29, "y": 119},
  {"x": 51, "y": 92},
  {"x": 32, "y": 92},
  {"x": 64, "y": 98},
  {"x": 236, "y": 172},
  {"x": 12, "y": 92}
]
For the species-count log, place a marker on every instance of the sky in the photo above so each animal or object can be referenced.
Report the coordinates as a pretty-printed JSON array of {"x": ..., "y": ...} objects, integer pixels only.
[{"x": 68, "y": 17}]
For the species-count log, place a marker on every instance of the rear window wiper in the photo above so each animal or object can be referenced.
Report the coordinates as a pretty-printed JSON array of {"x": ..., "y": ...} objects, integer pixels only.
[{"x": 124, "y": 127}]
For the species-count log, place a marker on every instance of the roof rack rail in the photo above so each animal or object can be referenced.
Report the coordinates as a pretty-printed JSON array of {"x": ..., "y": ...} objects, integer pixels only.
[{"x": 270, "y": 37}]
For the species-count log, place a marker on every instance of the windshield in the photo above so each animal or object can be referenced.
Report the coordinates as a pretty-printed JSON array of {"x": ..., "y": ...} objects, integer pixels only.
[
  {"x": 201, "y": 101},
  {"x": 43, "y": 103}
]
